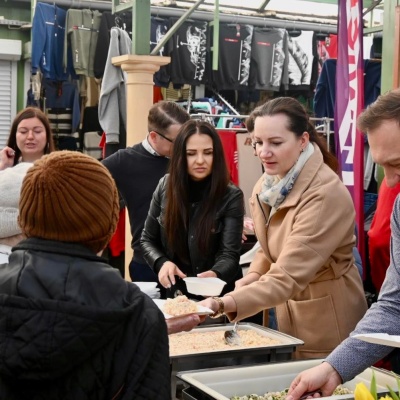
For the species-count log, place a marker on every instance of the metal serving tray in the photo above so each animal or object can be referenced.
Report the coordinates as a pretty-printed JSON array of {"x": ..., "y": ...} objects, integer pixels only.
[
  {"x": 234, "y": 356},
  {"x": 223, "y": 383}
]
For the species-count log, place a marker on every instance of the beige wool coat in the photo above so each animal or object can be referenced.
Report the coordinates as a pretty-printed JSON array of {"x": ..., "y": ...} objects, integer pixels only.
[{"x": 305, "y": 262}]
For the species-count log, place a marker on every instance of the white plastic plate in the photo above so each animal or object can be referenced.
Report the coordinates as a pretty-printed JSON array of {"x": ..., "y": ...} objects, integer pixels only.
[
  {"x": 380, "y": 338},
  {"x": 200, "y": 309}
]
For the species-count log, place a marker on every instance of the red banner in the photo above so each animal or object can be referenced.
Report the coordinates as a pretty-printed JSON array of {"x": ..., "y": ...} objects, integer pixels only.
[{"x": 349, "y": 103}]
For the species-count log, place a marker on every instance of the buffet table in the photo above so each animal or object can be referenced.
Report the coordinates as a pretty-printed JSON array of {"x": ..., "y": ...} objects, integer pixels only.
[{"x": 232, "y": 355}]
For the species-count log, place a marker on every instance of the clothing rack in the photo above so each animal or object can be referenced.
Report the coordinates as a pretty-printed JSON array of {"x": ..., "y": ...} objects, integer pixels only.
[
  {"x": 161, "y": 11},
  {"x": 325, "y": 123}
]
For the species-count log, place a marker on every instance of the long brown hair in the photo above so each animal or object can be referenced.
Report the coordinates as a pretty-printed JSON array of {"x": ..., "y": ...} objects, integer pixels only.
[
  {"x": 177, "y": 204},
  {"x": 299, "y": 122},
  {"x": 26, "y": 113}
]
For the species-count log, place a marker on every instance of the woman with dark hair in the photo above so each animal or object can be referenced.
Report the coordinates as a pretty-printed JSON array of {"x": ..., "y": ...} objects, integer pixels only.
[
  {"x": 195, "y": 222},
  {"x": 30, "y": 138},
  {"x": 304, "y": 220}
]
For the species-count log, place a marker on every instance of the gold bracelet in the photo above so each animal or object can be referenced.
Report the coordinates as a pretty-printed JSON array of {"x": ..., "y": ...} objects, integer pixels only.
[{"x": 221, "y": 308}]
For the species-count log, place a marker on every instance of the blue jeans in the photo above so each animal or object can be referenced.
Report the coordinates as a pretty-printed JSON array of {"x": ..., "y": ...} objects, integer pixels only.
[
  {"x": 272, "y": 323},
  {"x": 358, "y": 261}
]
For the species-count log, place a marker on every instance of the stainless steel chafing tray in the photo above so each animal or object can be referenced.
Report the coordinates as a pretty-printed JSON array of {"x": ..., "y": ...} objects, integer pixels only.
[
  {"x": 223, "y": 383},
  {"x": 232, "y": 355}
]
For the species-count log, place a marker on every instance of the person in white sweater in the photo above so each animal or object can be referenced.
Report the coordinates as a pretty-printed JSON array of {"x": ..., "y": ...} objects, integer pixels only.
[
  {"x": 29, "y": 139},
  {"x": 10, "y": 188}
]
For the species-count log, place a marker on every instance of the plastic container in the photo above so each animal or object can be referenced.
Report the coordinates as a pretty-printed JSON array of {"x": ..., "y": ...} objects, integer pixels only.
[
  {"x": 204, "y": 286},
  {"x": 223, "y": 383}
]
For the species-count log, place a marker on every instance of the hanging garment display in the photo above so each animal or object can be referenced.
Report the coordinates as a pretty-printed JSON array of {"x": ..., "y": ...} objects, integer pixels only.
[
  {"x": 48, "y": 29},
  {"x": 121, "y": 20},
  {"x": 60, "y": 101},
  {"x": 112, "y": 103},
  {"x": 300, "y": 58},
  {"x": 187, "y": 49},
  {"x": 82, "y": 29},
  {"x": 234, "y": 56},
  {"x": 325, "y": 95},
  {"x": 324, "y": 99},
  {"x": 62, "y": 96},
  {"x": 269, "y": 59},
  {"x": 159, "y": 28}
]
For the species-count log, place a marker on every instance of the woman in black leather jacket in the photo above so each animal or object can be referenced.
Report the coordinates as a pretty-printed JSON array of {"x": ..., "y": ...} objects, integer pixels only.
[{"x": 195, "y": 222}]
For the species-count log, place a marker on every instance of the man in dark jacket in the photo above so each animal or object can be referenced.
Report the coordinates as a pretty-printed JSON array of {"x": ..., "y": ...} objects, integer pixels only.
[{"x": 70, "y": 326}]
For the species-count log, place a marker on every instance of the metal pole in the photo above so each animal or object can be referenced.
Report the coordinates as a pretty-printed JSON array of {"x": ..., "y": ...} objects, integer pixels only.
[{"x": 200, "y": 15}]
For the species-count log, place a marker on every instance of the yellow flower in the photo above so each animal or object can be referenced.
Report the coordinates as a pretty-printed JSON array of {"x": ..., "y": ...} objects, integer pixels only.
[{"x": 361, "y": 392}]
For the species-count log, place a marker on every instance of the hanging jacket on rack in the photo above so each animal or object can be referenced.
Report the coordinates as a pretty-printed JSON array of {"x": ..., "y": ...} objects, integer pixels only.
[
  {"x": 90, "y": 134},
  {"x": 48, "y": 29},
  {"x": 121, "y": 20},
  {"x": 82, "y": 29},
  {"x": 159, "y": 28},
  {"x": 112, "y": 103},
  {"x": 324, "y": 99},
  {"x": 325, "y": 96},
  {"x": 234, "y": 57},
  {"x": 187, "y": 49},
  {"x": 62, "y": 95},
  {"x": 301, "y": 60},
  {"x": 269, "y": 59}
]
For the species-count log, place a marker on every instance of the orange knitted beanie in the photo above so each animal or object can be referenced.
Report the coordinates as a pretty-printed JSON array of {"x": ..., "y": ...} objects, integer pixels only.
[{"x": 69, "y": 197}]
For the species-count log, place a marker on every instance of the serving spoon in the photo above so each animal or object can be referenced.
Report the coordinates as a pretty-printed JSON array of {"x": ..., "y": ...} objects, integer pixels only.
[{"x": 232, "y": 337}]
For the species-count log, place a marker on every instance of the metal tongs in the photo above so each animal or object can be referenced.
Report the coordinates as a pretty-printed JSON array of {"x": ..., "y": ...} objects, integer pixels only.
[{"x": 232, "y": 337}]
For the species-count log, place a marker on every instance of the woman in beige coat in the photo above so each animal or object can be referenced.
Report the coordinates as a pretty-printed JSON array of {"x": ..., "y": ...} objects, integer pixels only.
[{"x": 304, "y": 220}]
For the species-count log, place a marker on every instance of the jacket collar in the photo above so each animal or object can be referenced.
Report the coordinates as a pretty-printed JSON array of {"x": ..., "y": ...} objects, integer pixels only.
[{"x": 56, "y": 247}]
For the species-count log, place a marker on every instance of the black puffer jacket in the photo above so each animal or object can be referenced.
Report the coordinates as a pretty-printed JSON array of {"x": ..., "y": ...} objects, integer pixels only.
[
  {"x": 71, "y": 328},
  {"x": 226, "y": 239}
]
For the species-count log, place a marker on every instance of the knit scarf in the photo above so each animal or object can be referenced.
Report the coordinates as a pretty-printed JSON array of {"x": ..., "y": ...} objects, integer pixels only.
[{"x": 275, "y": 190}]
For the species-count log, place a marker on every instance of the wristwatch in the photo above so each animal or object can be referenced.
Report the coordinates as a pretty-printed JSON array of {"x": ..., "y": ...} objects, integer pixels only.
[{"x": 221, "y": 308}]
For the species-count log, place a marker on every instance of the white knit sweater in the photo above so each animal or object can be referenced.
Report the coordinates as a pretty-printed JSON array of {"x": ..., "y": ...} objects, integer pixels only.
[{"x": 10, "y": 188}]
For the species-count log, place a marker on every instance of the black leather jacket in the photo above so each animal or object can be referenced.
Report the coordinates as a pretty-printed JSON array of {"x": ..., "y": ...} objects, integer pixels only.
[{"x": 226, "y": 239}]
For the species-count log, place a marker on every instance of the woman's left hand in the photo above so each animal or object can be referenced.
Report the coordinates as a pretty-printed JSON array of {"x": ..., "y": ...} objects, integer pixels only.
[{"x": 207, "y": 274}]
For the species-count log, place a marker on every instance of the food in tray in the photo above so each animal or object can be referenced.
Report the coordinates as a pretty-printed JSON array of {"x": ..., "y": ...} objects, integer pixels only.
[
  {"x": 179, "y": 306},
  {"x": 282, "y": 395},
  {"x": 201, "y": 342}
]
